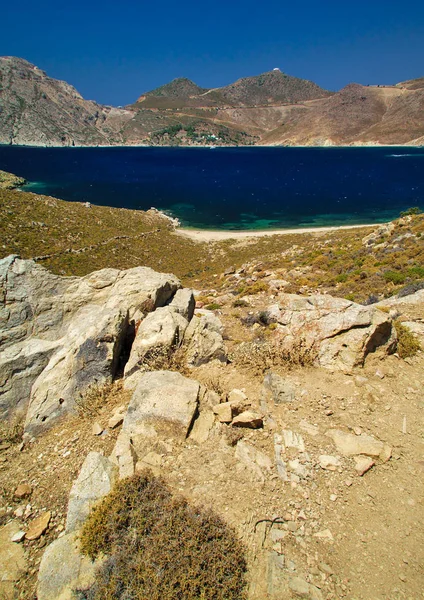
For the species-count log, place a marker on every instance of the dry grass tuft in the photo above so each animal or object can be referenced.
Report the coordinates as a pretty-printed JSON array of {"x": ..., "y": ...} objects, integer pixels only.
[
  {"x": 11, "y": 432},
  {"x": 90, "y": 404},
  {"x": 159, "y": 547},
  {"x": 263, "y": 354}
]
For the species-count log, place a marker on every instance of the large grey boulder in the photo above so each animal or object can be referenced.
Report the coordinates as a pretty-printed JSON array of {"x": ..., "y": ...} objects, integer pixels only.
[
  {"x": 338, "y": 333},
  {"x": 63, "y": 570},
  {"x": 95, "y": 480},
  {"x": 61, "y": 335},
  {"x": 158, "y": 333},
  {"x": 203, "y": 339},
  {"x": 163, "y": 405},
  {"x": 184, "y": 303}
]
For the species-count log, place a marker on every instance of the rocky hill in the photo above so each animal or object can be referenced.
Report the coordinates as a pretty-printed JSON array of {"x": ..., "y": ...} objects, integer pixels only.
[
  {"x": 38, "y": 110},
  {"x": 178, "y": 88},
  {"x": 273, "y": 87},
  {"x": 271, "y": 109}
]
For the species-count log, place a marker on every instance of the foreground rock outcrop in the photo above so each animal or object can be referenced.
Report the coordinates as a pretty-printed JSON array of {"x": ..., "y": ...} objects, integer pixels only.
[
  {"x": 60, "y": 336},
  {"x": 338, "y": 333}
]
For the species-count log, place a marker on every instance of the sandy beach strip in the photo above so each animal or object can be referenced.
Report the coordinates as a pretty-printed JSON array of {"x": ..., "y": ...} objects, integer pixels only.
[{"x": 205, "y": 235}]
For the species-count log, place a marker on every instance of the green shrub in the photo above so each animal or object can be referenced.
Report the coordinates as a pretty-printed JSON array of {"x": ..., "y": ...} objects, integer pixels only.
[
  {"x": 254, "y": 288},
  {"x": 407, "y": 344},
  {"x": 416, "y": 271},
  {"x": 394, "y": 277},
  {"x": 414, "y": 210},
  {"x": 213, "y": 306},
  {"x": 159, "y": 547},
  {"x": 342, "y": 278},
  {"x": 240, "y": 302}
]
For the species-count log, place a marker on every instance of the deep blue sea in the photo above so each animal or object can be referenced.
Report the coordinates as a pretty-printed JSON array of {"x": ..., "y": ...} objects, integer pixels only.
[{"x": 232, "y": 188}]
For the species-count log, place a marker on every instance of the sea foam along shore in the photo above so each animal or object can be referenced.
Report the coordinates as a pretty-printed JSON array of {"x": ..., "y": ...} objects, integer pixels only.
[{"x": 204, "y": 235}]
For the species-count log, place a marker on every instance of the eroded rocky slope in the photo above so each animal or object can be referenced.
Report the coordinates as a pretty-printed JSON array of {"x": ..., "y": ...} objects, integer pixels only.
[{"x": 309, "y": 446}]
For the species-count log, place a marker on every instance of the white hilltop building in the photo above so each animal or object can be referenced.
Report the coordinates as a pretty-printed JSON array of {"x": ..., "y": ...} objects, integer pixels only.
[{"x": 276, "y": 69}]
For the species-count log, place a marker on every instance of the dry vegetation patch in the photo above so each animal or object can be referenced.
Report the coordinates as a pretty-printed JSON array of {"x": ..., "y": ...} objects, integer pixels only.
[{"x": 159, "y": 547}]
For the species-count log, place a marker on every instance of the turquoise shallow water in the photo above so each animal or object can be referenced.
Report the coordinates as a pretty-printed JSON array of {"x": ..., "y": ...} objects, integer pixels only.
[{"x": 232, "y": 188}]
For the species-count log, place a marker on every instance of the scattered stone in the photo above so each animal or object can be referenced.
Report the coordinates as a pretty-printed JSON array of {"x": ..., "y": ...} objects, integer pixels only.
[
  {"x": 13, "y": 563},
  {"x": 202, "y": 427},
  {"x": 224, "y": 412},
  {"x": 328, "y": 462},
  {"x": 303, "y": 589},
  {"x": 95, "y": 480},
  {"x": 117, "y": 417},
  {"x": 96, "y": 429},
  {"x": 183, "y": 303},
  {"x": 281, "y": 465},
  {"x": 351, "y": 445},
  {"x": 278, "y": 388},
  {"x": 309, "y": 428},
  {"x": 23, "y": 491},
  {"x": 325, "y": 568},
  {"x": 325, "y": 534},
  {"x": 152, "y": 461},
  {"x": 338, "y": 333},
  {"x": 18, "y": 536},
  {"x": 159, "y": 332},
  {"x": 38, "y": 526},
  {"x": 256, "y": 460},
  {"x": 238, "y": 400},
  {"x": 276, "y": 586},
  {"x": 363, "y": 464},
  {"x": 248, "y": 419},
  {"x": 293, "y": 440}
]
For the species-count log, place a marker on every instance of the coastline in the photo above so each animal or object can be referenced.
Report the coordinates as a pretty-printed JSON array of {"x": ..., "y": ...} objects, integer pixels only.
[
  {"x": 208, "y": 147},
  {"x": 205, "y": 235}
]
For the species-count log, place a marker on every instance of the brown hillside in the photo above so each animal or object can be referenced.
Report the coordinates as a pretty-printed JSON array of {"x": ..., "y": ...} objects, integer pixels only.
[
  {"x": 270, "y": 109},
  {"x": 271, "y": 88},
  {"x": 355, "y": 115}
]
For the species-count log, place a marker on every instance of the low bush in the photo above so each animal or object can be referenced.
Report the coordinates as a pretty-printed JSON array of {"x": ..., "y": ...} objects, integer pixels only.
[
  {"x": 414, "y": 210},
  {"x": 159, "y": 547},
  {"x": 254, "y": 288},
  {"x": 407, "y": 344},
  {"x": 213, "y": 306},
  {"x": 240, "y": 303},
  {"x": 394, "y": 277}
]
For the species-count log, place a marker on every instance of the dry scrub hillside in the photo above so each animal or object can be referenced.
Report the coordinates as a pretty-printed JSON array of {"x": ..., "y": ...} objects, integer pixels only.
[{"x": 73, "y": 238}]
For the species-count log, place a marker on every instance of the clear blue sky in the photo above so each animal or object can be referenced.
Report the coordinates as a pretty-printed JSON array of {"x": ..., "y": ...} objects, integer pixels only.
[{"x": 113, "y": 51}]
